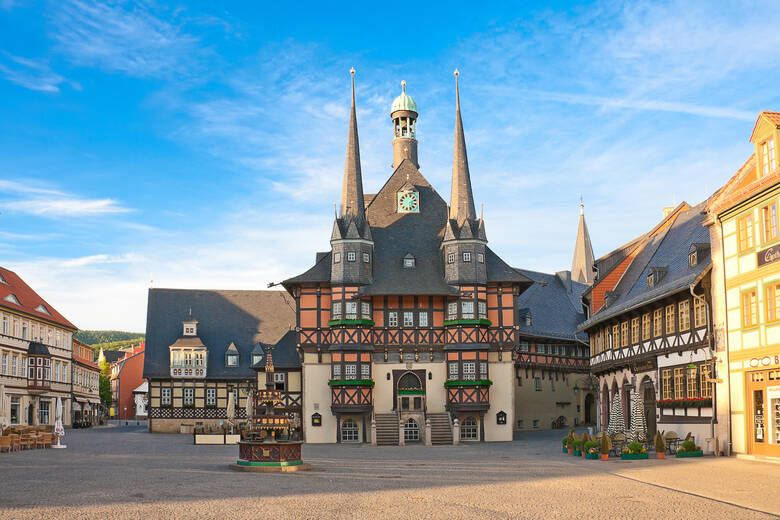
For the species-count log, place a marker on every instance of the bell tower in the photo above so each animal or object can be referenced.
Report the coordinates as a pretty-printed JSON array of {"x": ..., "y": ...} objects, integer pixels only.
[{"x": 404, "y": 113}]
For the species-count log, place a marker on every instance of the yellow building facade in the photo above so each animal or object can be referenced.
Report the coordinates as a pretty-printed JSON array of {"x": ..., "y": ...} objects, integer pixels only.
[{"x": 745, "y": 236}]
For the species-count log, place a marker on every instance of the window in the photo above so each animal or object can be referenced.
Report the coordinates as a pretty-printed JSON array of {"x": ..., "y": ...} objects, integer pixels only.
[
  {"x": 392, "y": 319},
  {"x": 699, "y": 312},
  {"x": 409, "y": 262},
  {"x": 408, "y": 319},
  {"x": 351, "y": 310},
  {"x": 482, "y": 307},
  {"x": 452, "y": 311},
  {"x": 189, "y": 396},
  {"x": 635, "y": 330},
  {"x": 16, "y": 408},
  {"x": 480, "y": 258},
  {"x": 279, "y": 380},
  {"x": 232, "y": 360},
  {"x": 467, "y": 310},
  {"x": 450, "y": 258},
  {"x": 535, "y": 423},
  {"x": 422, "y": 319},
  {"x": 749, "y": 309},
  {"x": 350, "y": 371},
  {"x": 769, "y": 220},
  {"x": 666, "y": 383},
  {"x": 452, "y": 371},
  {"x": 468, "y": 429},
  {"x": 669, "y": 319},
  {"x": 25, "y": 330},
  {"x": 685, "y": 315},
  {"x": 467, "y": 256},
  {"x": 691, "y": 383},
  {"x": 349, "y": 431},
  {"x": 650, "y": 280},
  {"x": 469, "y": 371},
  {"x": 365, "y": 310},
  {"x": 537, "y": 384},
  {"x": 43, "y": 411},
  {"x": 336, "y": 371},
  {"x": 705, "y": 374},
  {"x": 366, "y": 258},
  {"x": 411, "y": 431},
  {"x": 646, "y": 326},
  {"x": 336, "y": 258},
  {"x": 5, "y": 364},
  {"x": 483, "y": 370},
  {"x": 5, "y": 325},
  {"x": 679, "y": 383},
  {"x": 335, "y": 314},
  {"x": 351, "y": 256},
  {"x": 767, "y": 157},
  {"x": 15, "y": 366},
  {"x": 692, "y": 258},
  {"x": 211, "y": 397},
  {"x": 616, "y": 336},
  {"x": 624, "y": 334},
  {"x": 745, "y": 232},
  {"x": 365, "y": 371},
  {"x": 199, "y": 359}
]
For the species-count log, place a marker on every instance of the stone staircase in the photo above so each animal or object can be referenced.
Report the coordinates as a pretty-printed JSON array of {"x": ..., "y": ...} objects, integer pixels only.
[
  {"x": 386, "y": 429},
  {"x": 441, "y": 429}
]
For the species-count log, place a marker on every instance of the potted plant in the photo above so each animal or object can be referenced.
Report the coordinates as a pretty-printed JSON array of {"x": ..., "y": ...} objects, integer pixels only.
[
  {"x": 569, "y": 445},
  {"x": 604, "y": 447},
  {"x": 660, "y": 444},
  {"x": 689, "y": 449},
  {"x": 565, "y": 440},
  {"x": 634, "y": 451},
  {"x": 591, "y": 450},
  {"x": 577, "y": 447}
]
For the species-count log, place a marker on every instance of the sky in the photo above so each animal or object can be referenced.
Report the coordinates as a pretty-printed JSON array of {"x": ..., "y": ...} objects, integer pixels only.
[{"x": 201, "y": 144}]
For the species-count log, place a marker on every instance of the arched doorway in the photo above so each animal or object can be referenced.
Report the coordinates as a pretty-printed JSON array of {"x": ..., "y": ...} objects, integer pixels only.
[
  {"x": 410, "y": 392},
  {"x": 648, "y": 398},
  {"x": 590, "y": 408},
  {"x": 411, "y": 431}
]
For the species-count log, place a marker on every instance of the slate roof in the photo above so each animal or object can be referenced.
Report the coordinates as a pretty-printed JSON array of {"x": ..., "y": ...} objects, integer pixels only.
[
  {"x": 29, "y": 300},
  {"x": 285, "y": 353},
  {"x": 397, "y": 234},
  {"x": 244, "y": 318},
  {"x": 112, "y": 356},
  {"x": 668, "y": 249},
  {"x": 554, "y": 304},
  {"x": 37, "y": 349}
]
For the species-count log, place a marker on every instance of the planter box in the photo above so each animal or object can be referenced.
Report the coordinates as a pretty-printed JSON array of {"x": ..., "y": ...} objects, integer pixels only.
[
  {"x": 565, "y": 450},
  {"x": 577, "y": 453},
  {"x": 686, "y": 454},
  {"x": 592, "y": 456},
  {"x": 633, "y": 456}
]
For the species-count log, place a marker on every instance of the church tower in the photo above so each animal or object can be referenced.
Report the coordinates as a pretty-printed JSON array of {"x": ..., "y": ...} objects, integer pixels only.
[
  {"x": 464, "y": 241},
  {"x": 351, "y": 242},
  {"x": 404, "y": 114},
  {"x": 582, "y": 262}
]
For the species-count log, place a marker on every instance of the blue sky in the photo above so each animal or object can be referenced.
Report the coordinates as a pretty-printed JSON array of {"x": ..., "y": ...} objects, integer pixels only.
[{"x": 200, "y": 144}]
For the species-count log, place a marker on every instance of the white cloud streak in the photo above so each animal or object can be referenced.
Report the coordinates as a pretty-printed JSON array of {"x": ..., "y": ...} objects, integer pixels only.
[
  {"x": 32, "y": 74},
  {"x": 47, "y": 202}
]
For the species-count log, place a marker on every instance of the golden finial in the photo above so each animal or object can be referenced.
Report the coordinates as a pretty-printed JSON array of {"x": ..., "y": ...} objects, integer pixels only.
[
  {"x": 352, "y": 71},
  {"x": 457, "y": 73},
  {"x": 403, "y": 86}
]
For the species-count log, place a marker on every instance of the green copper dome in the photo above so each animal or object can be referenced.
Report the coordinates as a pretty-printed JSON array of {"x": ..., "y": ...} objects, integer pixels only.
[{"x": 404, "y": 101}]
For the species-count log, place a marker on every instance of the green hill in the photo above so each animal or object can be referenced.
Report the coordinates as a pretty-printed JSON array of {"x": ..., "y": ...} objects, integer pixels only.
[
  {"x": 108, "y": 337},
  {"x": 116, "y": 345}
]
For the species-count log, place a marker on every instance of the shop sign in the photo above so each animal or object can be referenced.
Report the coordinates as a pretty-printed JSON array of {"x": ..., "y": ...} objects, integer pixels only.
[
  {"x": 765, "y": 361},
  {"x": 644, "y": 366},
  {"x": 768, "y": 255}
]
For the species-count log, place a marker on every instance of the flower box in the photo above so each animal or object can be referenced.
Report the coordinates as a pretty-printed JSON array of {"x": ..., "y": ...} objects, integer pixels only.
[
  {"x": 633, "y": 456},
  {"x": 695, "y": 402},
  {"x": 410, "y": 391},
  {"x": 481, "y": 321},
  {"x": 351, "y": 382},
  {"x": 565, "y": 450},
  {"x": 335, "y": 323},
  {"x": 577, "y": 453},
  {"x": 469, "y": 382},
  {"x": 686, "y": 454},
  {"x": 592, "y": 456}
]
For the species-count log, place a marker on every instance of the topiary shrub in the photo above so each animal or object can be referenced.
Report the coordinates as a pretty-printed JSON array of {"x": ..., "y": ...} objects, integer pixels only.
[
  {"x": 660, "y": 442},
  {"x": 591, "y": 445},
  {"x": 565, "y": 440},
  {"x": 577, "y": 444},
  {"x": 569, "y": 443},
  {"x": 635, "y": 447},
  {"x": 585, "y": 437},
  {"x": 604, "y": 445}
]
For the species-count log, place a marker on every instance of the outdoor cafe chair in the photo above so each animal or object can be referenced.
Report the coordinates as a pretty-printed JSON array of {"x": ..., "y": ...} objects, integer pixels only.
[
  {"x": 5, "y": 442},
  {"x": 15, "y": 442}
]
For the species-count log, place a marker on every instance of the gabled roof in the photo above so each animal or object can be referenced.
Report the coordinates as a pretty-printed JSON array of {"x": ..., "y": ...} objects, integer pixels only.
[
  {"x": 285, "y": 353},
  {"x": 29, "y": 300},
  {"x": 773, "y": 118},
  {"x": 668, "y": 250},
  {"x": 244, "y": 318},
  {"x": 553, "y": 301}
]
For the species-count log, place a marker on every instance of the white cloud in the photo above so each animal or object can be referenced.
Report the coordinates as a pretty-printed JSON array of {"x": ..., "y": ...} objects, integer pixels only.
[
  {"x": 32, "y": 74},
  {"x": 47, "y": 202}
]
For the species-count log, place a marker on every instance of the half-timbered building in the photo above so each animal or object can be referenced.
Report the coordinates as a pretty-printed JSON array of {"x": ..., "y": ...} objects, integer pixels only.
[
  {"x": 650, "y": 332},
  {"x": 203, "y": 345}
]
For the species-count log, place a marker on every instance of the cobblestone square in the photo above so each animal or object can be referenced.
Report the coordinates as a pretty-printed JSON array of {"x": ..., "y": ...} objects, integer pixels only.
[{"x": 125, "y": 472}]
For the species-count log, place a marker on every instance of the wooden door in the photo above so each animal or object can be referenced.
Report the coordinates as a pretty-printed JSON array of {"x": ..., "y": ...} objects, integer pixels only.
[{"x": 763, "y": 400}]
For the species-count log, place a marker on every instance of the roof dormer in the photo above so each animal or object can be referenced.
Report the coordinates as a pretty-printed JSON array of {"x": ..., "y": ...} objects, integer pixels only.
[
  {"x": 697, "y": 253},
  {"x": 766, "y": 134},
  {"x": 232, "y": 356},
  {"x": 655, "y": 275},
  {"x": 190, "y": 327}
]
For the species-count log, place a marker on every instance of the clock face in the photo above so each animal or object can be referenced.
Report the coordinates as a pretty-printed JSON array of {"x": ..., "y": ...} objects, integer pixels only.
[{"x": 408, "y": 202}]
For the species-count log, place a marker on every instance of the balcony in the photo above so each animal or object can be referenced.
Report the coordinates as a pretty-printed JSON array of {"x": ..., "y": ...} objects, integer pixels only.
[
  {"x": 189, "y": 370},
  {"x": 351, "y": 395},
  {"x": 552, "y": 362},
  {"x": 468, "y": 395}
]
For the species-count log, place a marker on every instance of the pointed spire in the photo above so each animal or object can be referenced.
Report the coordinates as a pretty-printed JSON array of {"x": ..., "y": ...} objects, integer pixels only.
[
  {"x": 352, "y": 189},
  {"x": 462, "y": 200},
  {"x": 582, "y": 263}
]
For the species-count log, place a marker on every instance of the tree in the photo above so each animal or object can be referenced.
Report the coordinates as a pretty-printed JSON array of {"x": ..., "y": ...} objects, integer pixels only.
[{"x": 105, "y": 380}]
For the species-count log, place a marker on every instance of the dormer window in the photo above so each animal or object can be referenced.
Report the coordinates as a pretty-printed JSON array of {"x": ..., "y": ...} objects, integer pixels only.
[
  {"x": 257, "y": 358},
  {"x": 409, "y": 261},
  {"x": 12, "y": 299},
  {"x": 190, "y": 328},
  {"x": 2, "y": 280},
  {"x": 43, "y": 309},
  {"x": 232, "y": 360},
  {"x": 767, "y": 157},
  {"x": 692, "y": 258},
  {"x": 650, "y": 279}
]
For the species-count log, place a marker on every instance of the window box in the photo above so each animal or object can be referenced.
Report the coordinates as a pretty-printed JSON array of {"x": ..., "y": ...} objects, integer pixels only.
[
  {"x": 411, "y": 391},
  {"x": 468, "y": 322},
  {"x": 469, "y": 382},
  {"x": 333, "y": 323},
  {"x": 694, "y": 402},
  {"x": 351, "y": 382},
  {"x": 685, "y": 454}
]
